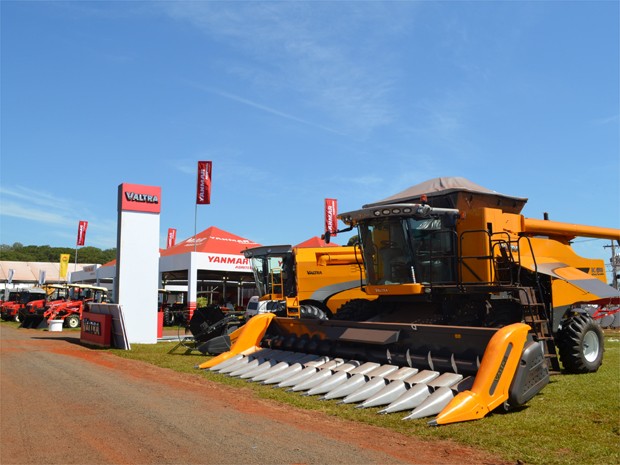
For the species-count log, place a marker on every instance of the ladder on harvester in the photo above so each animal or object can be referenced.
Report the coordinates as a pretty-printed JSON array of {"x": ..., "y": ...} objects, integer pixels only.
[
  {"x": 507, "y": 272},
  {"x": 535, "y": 314}
]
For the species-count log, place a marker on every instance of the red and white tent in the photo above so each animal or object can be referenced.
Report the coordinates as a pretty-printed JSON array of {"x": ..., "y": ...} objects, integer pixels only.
[
  {"x": 223, "y": 250},
  {"x": 211, "y": 256}
]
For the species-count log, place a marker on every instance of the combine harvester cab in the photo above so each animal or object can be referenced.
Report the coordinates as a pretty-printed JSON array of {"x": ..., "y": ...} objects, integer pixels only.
[{"x": 473, "y": 304}]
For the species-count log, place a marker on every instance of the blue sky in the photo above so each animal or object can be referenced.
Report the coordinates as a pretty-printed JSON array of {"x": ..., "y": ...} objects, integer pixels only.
[{"x": 298, "y": 101}]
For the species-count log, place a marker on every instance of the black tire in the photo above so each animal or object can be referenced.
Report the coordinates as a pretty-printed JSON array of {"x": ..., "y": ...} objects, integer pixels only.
[
  {"x": 580, "y": 343},
  {"x": 312, "y": 312},
  {"x": 168, "y": 318},
  {"x": 72, "y": 321},
  {"x": 356, "y": 310}
]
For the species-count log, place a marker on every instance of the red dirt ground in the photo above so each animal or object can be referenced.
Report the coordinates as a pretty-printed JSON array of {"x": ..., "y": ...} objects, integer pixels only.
[{"x": 63, "y": 403}]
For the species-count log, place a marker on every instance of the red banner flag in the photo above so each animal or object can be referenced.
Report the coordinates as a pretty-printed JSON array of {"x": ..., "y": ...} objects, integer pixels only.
[
  {"x": 331, "y": 216},
  {"x": 172, "y": 237},
  {"x": 203, "y": 190},
  {"x": 81, "y": 235}
]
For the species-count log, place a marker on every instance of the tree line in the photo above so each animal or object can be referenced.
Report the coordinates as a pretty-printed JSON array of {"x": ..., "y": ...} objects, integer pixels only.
[{"x": 45, "y": 253}]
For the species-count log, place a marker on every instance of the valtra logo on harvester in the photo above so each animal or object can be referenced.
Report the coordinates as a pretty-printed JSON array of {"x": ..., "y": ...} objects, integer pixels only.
[{"x": 139, "y": 198}]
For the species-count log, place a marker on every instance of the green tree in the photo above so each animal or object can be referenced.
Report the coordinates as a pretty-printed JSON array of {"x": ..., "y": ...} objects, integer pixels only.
[{"x": 44, "y": 253}]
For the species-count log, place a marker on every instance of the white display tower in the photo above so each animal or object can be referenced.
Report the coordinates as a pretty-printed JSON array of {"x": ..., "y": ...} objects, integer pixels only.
[{"x": 137, "y": 260}]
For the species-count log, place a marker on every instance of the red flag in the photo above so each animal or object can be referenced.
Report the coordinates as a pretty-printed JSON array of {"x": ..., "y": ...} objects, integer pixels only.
[
  {"x": 203, "y": 190},
  {"x": 331, "y": 216},
  {"x": 81, "y": 236},
  {"x": 172, "y": 237}
]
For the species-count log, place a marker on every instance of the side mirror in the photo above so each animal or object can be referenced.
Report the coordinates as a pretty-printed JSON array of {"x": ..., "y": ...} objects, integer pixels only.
[{"x": 327, "y": 236}]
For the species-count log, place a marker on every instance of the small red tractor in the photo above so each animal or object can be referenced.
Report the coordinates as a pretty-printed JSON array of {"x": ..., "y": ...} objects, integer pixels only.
[
  {"x": 28, "y": 315},
  {"x": 70, "y": 309},
  {"x": 18, "y": 299}
]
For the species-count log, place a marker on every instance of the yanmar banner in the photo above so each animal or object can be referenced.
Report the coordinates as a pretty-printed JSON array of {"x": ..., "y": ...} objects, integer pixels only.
[
  {"x": 225, "y": 262},
  {"x": 203, "y": 189},
  {"x": 172, "y": 238},
  {"x": 331, "y": 216},
  {"x": 81, "y": 235}
]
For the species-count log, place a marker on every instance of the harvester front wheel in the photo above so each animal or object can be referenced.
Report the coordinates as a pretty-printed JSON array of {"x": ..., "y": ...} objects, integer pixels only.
[
  {"x": 72, "y": 321},
  {"x": 580, "y": 343},
  {"x": 312, "y": 312}
]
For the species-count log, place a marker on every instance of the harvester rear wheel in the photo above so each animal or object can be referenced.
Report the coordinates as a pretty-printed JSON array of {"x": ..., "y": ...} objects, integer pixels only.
[
  {"x": 312, "y": 312},
  {"x": 356, "y": 310},
  {"x": 580, "y": 343}
]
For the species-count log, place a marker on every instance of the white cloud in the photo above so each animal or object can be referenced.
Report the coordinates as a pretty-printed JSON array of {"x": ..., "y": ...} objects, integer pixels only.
[
  {"x": 22, "y": 211},
  {"x": 63, "y": 214},
  {"x": 309, "y": 51}
]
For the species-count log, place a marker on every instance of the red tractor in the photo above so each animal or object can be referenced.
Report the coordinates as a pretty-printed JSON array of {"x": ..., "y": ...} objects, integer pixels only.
[
  {"x": 30, "y": 315},
  {"x": 17, "y": 300},
  {"x": 172, "y": 305},
  {"x": 70, "y": 310}
]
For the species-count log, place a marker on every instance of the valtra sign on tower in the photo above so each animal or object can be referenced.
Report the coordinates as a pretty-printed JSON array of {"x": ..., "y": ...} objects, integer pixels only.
[
  {"x": 137, "y": 260},
  {"x": 139, "y": 198}
]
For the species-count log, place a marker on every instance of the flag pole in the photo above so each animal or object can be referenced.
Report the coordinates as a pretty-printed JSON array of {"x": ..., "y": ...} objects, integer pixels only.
[{"x": 195, "y": 222}]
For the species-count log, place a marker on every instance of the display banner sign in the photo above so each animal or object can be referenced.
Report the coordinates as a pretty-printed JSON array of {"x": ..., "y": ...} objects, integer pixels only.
[
  {"x": 64, "y": 265},
  {"x": 139, "y": 198},
  {"x": 96, "y": 329},
  {"x": 203, "y": 189},
  {"x": 172, "y": 238},
  {"x": 331, "y": 216},
  {"x": 81, "y": 235},
  {"x": 10, "y": 276},
  {"x": 41, "y": 277}
]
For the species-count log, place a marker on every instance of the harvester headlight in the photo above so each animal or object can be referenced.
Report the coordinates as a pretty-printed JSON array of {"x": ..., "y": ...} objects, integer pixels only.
[
  {"x": 377, "y": 213},
  {"x": 396, "y": 211},
  {"x": 386, "y": 211},
  {"x": 407, "y": 210}
]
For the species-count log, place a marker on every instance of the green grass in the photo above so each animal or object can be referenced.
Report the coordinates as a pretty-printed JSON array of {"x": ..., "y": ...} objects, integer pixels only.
[{"x": 574, "y": 420}]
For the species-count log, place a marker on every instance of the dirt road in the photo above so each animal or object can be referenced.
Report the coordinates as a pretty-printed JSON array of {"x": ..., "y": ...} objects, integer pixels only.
[{"x": 62, "y": 403}]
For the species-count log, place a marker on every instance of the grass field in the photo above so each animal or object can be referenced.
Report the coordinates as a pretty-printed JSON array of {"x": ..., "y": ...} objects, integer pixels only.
[{"x": 574, "y": 420}]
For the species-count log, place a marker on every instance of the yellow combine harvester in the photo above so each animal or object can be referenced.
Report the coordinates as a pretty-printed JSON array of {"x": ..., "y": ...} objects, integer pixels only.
[
  {"x": 308, "y": 282},
  {"x": 473, "y": 304}
]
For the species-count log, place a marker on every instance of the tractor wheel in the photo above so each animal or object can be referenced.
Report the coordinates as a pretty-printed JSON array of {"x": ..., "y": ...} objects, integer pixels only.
[
  {"x": 312, "y": 312},
  {"x": 356, "y": 310},
  {"x": 580, "y": 343},
  {"x": 168, "y": 318},
  {"x": 72, "y": 321}
]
